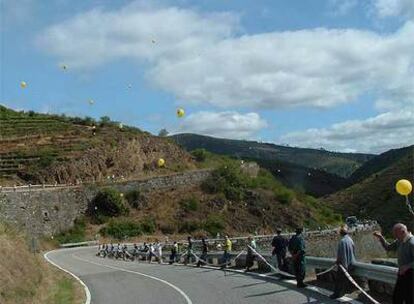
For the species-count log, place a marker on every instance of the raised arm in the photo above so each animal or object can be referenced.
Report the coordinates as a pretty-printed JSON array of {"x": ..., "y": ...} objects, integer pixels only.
[{"x": 387, "y": 246}]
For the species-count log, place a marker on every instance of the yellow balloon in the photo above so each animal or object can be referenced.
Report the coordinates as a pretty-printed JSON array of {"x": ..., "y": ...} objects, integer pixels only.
[
  {"x": 403, "y": 187},
  {"x": 180, "y": 112},
  {"x": 23, "y": 84},
  {"x": 161, "y": 162}
]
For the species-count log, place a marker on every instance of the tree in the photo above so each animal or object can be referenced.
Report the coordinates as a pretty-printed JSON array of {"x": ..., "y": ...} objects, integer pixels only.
[
  {"x": 105, "y": 120},
  {"x": 163, "y": 133}
]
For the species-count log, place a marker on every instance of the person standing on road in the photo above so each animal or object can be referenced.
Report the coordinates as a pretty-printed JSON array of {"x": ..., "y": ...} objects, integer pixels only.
[
  {"x": 189, "y": 250},
  {"x": 297, "y": 250},
  {"x": 174, "y": 252},
  {"x": 204, "y": 250},
  {"x": 227, "y": 249},
  {"x": 151, "y": 252},
  {"x": 159, "y": 252},
  {"x": 279, "y": 244},
  {"x": 251, "y": 246},
  {"x": 346, "y": 257},
  {"x": 404, "y": 245}
]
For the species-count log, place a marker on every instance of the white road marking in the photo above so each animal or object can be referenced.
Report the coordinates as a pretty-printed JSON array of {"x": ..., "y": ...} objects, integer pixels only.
[
  {"x": 87, "y": 292},
  {"x": 185, "y": 296}
]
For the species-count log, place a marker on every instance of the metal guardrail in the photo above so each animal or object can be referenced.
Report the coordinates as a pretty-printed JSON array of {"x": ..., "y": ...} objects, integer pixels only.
[{"x": 80, "y": 244}]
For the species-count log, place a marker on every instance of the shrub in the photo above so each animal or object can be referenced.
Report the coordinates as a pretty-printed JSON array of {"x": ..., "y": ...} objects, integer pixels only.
[
  {"x": 188, "y": 226},
  {"x": 73, "y": 235},
  {"x": 134, "y": 198},
  {"x": 120, "y": 229},
  {"x": 284, "y": 195},
  {"x": 214, "y": 224},
  {"x": 167, "y": 228},
  {"x": 148, "y": 225},
  {"x": 108, "y": 202},
  {"x": 190, "y": 204},
  {"x": 199, "y": 154},
  {"x": 229, "y": 180}
]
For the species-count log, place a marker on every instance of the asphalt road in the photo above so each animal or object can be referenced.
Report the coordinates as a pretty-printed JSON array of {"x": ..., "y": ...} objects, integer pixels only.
[{"x": 119, "y": 282}]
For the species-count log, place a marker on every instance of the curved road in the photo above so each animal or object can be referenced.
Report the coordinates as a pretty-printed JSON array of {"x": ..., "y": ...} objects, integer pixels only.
[{"x": 120, "y": 282}]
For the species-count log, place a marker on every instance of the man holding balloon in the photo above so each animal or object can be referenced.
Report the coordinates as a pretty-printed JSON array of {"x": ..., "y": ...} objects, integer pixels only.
[{"x": 404, "y": 245}]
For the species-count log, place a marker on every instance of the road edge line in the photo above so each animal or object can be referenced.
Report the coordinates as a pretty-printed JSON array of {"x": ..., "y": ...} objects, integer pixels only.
[
  {"x": 176, "y": 288},
  {"x": 86, "y": 289}
]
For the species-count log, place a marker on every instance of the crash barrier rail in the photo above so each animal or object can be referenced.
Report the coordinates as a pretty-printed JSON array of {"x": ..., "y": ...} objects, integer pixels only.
[
  {"x": 370, "y": 272},
  {"x": 79, "y": 244}
]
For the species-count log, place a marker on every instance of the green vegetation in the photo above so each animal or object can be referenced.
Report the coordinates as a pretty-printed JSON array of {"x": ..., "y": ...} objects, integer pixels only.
[
  {"x": 134, "y": 198},
  {"x": 214, "y": 224},
  {"x": 28, "y": 278},
  {"x": 229, "y": 180},
  {"x": 64, "y": 292},
  {"x": 189, "y": 204},
  {"x": 375, "y": 197},
  {"x": 121, "y": 229},
  {"x": 108, "y": 202},
  {"x": 124, "y": 228},
  {"x": 342, "y": 164},
  {"x": 148, "y": 225},
  {"x": 74, "y": 235},
  {"x": 200, "y": 154},
  {"x": 189, "y": 226}
]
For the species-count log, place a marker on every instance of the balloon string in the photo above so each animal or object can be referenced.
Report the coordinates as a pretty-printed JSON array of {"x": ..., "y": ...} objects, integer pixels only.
[{"x": 407, "y": 202}]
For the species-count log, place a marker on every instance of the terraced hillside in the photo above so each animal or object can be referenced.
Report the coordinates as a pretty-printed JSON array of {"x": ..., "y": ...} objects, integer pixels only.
[
  {"x": 41, "y": 148},
  {"x": 342, "y": 164}
]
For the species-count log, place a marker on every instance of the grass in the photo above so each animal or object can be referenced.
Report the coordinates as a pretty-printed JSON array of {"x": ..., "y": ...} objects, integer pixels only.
[
  {"x": 26, "y": 278},
  {"x": 64, "y": 293}
]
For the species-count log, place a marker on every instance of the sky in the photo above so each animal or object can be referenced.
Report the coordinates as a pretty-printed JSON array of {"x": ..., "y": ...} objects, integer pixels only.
[{"x": 337, "y": 74}]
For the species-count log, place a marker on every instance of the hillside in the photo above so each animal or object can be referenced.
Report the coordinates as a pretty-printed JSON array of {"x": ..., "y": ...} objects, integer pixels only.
[
  {"x": 230, "y": 201},
  {"x": 342, "y": 164},
  {"x": 26, "y": 278},
  {"x": 380, "y": 163},
  {"x": 375, "y": 196},
  {"x": 310, "y": 181},
  {"x": 41, "y": 148}
]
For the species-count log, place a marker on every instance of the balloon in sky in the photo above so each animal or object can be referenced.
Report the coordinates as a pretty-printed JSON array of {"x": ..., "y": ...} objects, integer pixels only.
[
  {"x": 91, "y": 101},
  {"x": 403, "y": 187},
  {"x": 23, "y": 84},
  {"x": 180, "y": 112},
  {"x": 64, "y": 67},
  {"x": 161, "y": 162},
  {"x": 153, "y": 41},
  {"x": 129, "y": 86}
]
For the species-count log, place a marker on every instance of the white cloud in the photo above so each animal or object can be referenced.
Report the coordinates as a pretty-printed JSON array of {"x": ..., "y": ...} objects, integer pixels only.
[
  {"x": 393, "y": 8},
  {"x": 224, "y": 124},
  {"x": 373, "y": 135},
  {"x": 200, "y": 58}
]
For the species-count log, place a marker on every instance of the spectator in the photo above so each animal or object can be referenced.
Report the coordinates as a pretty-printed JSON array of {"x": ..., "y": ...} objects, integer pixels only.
[
  {"x": 297, "y": 250},
  {"x": 279, "y": 244},
  {"x": 251, "y": 245},
  {"x": 404, "y": 245},
  {"x": 204, "y": 250},
  {"x": 346, "y": 257}
]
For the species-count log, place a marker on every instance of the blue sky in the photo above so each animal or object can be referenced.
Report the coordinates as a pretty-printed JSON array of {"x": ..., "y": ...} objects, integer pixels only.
[{"x": 333, "y": 74}]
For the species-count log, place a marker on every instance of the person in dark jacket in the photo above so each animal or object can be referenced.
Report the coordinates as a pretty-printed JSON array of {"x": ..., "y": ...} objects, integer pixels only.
[
  {"x": 279, "y": 244},
  {"x": 174, "y": 253},
  {"x": 346, "y": 257},
  {"x": 204, "y": 251},
  {"x": 251, "y": 246},
  {"x": 404, "y": 245},
  {"x": 297, "y": 250},
  {"x": 189, "y": 251}
]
